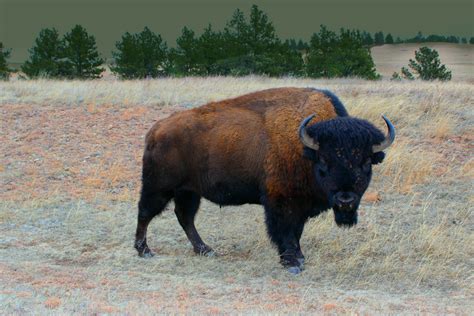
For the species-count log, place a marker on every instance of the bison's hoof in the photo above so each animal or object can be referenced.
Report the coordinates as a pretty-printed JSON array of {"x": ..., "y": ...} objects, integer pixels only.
[
  {"x": 210, "y": 254},
  {"x": 146, "y": 254},
  {"x": 301, "y": 261},
  {"x": 205, "y": 251},
  {"x": 295, "y": 270}
]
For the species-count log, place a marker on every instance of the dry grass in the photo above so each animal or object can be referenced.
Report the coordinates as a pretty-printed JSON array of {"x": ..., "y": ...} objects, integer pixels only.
[{"x": 70, "y": 168}]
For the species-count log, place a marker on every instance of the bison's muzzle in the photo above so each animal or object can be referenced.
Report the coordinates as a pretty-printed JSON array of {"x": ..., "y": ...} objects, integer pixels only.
[{"x": 345, "y": 205}]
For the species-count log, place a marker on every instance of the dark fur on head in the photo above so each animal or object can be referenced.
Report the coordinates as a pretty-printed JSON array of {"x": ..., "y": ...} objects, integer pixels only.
[
  {"x": 346, "y": 133},
  {"x": 342, "y": 164}
]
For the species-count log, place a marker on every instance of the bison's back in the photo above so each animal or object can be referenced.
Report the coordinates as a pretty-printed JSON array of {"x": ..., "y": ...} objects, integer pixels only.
[{"x": 231, "y": 150}]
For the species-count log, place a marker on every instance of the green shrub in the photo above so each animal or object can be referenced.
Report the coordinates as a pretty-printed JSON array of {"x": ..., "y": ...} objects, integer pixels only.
[
  {"x": 427, "y": 66},
  {"x": 4, "y": 70}
]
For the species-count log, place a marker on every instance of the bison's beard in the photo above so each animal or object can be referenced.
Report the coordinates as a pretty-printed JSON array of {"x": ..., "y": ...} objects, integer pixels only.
[{"x": 345, "y": 218}]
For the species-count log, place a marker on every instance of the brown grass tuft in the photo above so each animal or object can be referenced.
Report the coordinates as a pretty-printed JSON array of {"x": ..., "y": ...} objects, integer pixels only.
[{"x": 52, "y": 302}]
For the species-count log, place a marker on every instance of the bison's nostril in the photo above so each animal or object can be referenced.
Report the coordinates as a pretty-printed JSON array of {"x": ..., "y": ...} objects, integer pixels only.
[{"x": 346, "y": 199}]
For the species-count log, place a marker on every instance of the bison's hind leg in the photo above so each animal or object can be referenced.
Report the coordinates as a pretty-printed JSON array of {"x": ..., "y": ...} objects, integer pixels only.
[
  {"x": 151, "y": 204},
  {"x": 186, "y": 207}
]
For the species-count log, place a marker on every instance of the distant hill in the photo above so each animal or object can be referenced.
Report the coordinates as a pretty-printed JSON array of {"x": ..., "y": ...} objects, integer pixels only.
[{"x": 459, "y": 58}]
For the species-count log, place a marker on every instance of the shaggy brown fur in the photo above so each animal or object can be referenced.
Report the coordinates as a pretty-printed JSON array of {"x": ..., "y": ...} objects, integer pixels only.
[{"x": 246, "y": 137}]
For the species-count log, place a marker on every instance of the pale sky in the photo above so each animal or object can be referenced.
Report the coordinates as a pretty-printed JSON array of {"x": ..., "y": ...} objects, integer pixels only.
[{"x": 107, "y": 20}]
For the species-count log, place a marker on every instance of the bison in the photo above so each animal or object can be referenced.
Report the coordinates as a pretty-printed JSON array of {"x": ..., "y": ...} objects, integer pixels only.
[{"x": 259, "y": 149}]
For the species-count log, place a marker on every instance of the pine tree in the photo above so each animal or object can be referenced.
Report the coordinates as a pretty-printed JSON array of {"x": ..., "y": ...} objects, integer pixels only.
[
  {"x": 471, "y": 40},
  {"x": 396, "y": 76},
  {"x": 389, "y": 39},
  {"x": 127, "y": 58},
  {"x": 254, "y": 37},
  {"x": 302, "y": 45},
  {"x": 251, "y": 46},
  {"x": 285, "y": 61},
  {"x": 367, "y": 39},
  {"x": 141, "y": 55},
  {"x": 261, "y": 32},
  {"x": 236, "y": 35},
  {"x": 83, "y": 59},
  {"x": 344, "y": 55},
  {"x": 187, "y": 55},
  {"x": 154, "y": 51},
  {"x": 379, "y": 38},
  {"x": 46, "y": 57},
  {"x": 210, "y": 48},
  {"x": 419, "y": 38},
  {"x": 427, "y": 66},
  {"x": 4, "y": 55},
  {"x": 464, "y": 40},
  {"x": 407, "y": 74}
]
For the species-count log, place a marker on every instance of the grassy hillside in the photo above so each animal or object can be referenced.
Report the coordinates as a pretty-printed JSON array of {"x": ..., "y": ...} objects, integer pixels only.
[
  {"x": 70, "y": 160},
  {"x": 459, "y": 58}
]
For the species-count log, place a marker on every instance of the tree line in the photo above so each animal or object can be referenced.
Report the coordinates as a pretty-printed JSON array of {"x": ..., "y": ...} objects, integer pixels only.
[{"x": 246, "y": 45}]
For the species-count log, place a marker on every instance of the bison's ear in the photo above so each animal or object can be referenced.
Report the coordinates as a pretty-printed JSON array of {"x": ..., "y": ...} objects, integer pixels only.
[
  {"x": 377, "y": 157},
  {"x": 310, "y": 154}
]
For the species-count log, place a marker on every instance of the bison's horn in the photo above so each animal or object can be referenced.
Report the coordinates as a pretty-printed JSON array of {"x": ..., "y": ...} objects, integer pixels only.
[
  {"x": 304, "y": 137},
  {"x": 388, "y": 139}
]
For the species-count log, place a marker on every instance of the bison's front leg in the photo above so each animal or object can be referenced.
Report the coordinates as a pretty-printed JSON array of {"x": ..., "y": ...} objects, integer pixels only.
[
  {"x": 299, "y": 253},
  {"x": 285, "y": 231}
]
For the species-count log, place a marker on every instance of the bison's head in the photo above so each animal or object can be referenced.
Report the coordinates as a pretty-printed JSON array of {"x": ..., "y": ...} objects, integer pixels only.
[{"x": 343, "y": 151}]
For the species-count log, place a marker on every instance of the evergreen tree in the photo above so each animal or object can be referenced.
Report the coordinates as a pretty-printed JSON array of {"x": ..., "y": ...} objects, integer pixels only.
[
  {"x": 291, "y": 43},
  {"x": 396, "y": 76},
  {"x": 154, "y": 53},
  {"x": 261, "y": 32},
  {"x": 389, "y": 39},
  {"x": 452, "y": 39},
  {"x": 4, "y": 55},
  {"x": 407, "y": 74},
  {"x": 471, "y": 40},
  {"x": 344, "y": 55},
  {"x": 398, "y": 40},
  {"x": 254, "y": 37},
  {"x": 367, "y": 39},
  {"x": 427, "y": 66},
  {"x": 210, "y": 48},
  {"x": 141, "y": 55},
  {"x": 236, "y": 35},
  {"x": 419, "y": 37},
  {"x": 252, "y": 46},
  {"x": 464, "y": 40},
  {"x": 302, "y": 45},
  {"x": 47, "y": 56},
  {"x": 187, "y": 55},
  {"x": 128, "y": 58},
  {"x": 379, "y": 38},
  {"x": 82, "y": 56}
]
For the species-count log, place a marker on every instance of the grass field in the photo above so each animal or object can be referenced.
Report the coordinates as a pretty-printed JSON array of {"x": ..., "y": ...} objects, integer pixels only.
[{"x": 70, "y": 158}]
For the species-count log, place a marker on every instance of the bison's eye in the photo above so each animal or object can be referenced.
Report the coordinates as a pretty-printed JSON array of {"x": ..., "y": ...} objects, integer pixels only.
[
  {"x": 322, "y": 168},
  {"x": 366, "y": 166}
]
